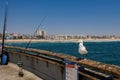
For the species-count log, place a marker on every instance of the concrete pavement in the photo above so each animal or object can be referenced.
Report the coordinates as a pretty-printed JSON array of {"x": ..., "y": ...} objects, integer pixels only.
[{"x": 10, "y": 72}]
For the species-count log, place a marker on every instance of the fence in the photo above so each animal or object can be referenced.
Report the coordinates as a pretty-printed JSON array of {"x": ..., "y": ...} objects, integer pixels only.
[{"x": 50, "y": 66}]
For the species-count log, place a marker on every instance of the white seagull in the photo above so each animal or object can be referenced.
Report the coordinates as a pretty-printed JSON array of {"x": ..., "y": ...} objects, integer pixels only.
[{"x": 82, "y": 49}]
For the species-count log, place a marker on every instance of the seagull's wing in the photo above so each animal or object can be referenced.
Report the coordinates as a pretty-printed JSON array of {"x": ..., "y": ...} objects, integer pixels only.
[
  {"x": 82, "y": 50},
  {"x": 85, "y": 49}
]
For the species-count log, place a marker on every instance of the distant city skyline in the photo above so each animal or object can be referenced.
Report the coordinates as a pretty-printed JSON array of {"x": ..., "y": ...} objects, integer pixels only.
[{"x": 65, "y": 17}]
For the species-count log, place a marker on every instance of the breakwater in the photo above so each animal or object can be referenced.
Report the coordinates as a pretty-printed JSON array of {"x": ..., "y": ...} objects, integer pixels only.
[{"x": 50, "y": 66}]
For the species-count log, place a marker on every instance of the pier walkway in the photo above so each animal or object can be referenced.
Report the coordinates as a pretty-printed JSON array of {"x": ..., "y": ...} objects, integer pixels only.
[{"x": 10, "y": 72}]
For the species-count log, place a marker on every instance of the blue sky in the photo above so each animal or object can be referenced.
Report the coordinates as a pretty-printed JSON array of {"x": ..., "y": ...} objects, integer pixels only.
[{"x": 67, "y": 17}]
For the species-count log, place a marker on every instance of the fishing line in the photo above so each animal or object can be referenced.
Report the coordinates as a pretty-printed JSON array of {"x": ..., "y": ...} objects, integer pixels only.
[{"x": 35, "y": 32}]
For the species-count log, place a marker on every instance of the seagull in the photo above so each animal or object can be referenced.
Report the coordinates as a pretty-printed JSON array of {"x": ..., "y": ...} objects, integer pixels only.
[{"x": 82, "y": 49}]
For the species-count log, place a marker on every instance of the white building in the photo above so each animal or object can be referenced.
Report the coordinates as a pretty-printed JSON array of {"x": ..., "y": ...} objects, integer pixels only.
[{"x": 41, "y": 34}]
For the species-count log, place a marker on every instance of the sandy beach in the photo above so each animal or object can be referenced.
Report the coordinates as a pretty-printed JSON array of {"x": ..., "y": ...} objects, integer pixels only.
[{"x": 72, "y": 40}]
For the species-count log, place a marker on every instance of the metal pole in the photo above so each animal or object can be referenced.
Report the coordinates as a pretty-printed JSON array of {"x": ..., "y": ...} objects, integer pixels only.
[{"x": 4, "y": 27}]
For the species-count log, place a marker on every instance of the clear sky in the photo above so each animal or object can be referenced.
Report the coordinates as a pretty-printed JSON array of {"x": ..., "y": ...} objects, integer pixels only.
[{"x": 67, "y": 17}]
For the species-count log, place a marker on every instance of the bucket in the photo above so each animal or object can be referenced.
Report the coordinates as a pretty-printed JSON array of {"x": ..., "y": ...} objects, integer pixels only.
[{"x": 4, "y": 59}]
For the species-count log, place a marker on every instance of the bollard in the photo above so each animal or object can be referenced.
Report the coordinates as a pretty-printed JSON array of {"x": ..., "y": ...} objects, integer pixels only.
[{"x": 20, "y": 65}]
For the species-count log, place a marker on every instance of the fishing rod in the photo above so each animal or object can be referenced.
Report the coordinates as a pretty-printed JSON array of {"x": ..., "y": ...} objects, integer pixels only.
[
  {"x": 4, "y": 27},
  {"x": 35, "y": 32}
]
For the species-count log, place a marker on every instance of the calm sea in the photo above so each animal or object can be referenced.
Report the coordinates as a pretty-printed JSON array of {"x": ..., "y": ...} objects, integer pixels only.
[{"x": 107, "y": 52}]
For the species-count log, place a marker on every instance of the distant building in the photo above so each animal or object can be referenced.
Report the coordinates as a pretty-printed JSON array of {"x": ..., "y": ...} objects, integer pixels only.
[
  {"x": 41, "y": 34},
  {"x": 14, "y": 36}
]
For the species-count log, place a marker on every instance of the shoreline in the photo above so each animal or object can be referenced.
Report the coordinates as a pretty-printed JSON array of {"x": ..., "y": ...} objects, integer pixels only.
[{"x": 74, "y": 40}]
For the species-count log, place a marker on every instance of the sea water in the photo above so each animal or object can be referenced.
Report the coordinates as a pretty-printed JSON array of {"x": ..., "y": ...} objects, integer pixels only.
[{"x": 107, "y": 52}]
